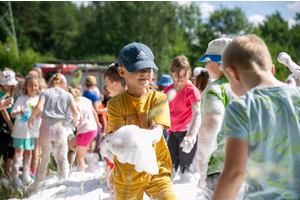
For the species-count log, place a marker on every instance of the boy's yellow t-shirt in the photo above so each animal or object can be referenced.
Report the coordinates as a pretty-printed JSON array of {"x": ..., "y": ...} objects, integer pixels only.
[{"x": 124, "y": 109}]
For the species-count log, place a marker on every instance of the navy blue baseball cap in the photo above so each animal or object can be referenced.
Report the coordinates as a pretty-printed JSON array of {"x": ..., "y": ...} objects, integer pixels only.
[{"x": 136, "y": 56}]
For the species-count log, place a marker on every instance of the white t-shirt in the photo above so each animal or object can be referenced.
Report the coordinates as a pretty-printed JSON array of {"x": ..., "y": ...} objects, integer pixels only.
[
  {"x": 21, "y": 129},
  {"x": 88, "y": 123}
]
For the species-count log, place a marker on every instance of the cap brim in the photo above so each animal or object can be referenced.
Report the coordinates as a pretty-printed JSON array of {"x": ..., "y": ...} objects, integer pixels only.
[
  {"x": 213, "y": 58},
  {"x": 163, "y": 84},
  {"x": 140, "y": 65}
]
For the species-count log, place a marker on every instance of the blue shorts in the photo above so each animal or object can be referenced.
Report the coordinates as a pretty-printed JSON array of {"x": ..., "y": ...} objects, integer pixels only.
[{"x": 27, "y": 144}]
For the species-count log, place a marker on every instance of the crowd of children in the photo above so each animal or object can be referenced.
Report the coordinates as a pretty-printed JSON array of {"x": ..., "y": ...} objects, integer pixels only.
[{"x": 235, "y": 120}]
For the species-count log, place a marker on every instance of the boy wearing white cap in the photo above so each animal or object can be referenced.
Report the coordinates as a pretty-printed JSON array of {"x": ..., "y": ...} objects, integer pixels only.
[
  {"x": 136, "y": 64},
  {"x": 214, "y": 99}
]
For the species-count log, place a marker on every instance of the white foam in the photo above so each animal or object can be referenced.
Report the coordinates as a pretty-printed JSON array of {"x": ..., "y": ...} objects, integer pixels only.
[
  {"x": 133, "y": 145},
  {"x": 285, "y": 59},
  {"x": 171, "y": 94}
]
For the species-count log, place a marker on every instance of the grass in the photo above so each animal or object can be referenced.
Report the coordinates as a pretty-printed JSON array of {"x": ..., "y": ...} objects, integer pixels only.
[{"x": 10, "y": 193}]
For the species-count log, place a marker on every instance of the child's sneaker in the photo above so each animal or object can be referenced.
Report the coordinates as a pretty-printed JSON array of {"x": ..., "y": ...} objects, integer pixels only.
[
  {"x": 26, "y": 179},
  {"x": 17, "y": 183},
  {"x": 32, "y": 174},
  {"x": 4, "y": 182}
]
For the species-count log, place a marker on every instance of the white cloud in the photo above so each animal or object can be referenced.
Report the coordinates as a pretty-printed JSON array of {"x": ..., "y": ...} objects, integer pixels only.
[
  {"x": 256, "y": 19},
  {"x": 291, "y": 22},
  {"x": 206, "y": 9},
  {"x": 295, "y": 6},
  {"x": 79, "y": 3},
  {"x": 184, "y": 3}
]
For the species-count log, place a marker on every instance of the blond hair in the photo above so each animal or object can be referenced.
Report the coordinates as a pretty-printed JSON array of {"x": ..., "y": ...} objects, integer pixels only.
[
  {"x": 57, "y": 81},
  {"x": 28, "y": 79},
  {"x": 247, "y": 52},
  {"x": 38, "y": 70},
  {"x": 75, "y": 92}
]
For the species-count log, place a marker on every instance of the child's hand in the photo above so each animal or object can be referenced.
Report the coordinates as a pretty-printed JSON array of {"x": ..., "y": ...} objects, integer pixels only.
[
  {"x": 30, "y": 122},
  {"x": 22, "y": 112},
  {"x": 6, "y": 103},
  {"x": 284, "y": 58},
  {"x": 188, "y": 143}
]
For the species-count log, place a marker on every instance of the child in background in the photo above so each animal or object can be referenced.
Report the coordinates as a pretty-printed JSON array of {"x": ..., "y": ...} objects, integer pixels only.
[
  {"x": 164, "y": 81},
  {"x": 7, "y": 88},
  {"x": 262, "y": 126},
  {"x": 86, "y": 128},
  {"x": 35, "y": 154},
  {"x": 115, "y": 84},
  {"x": 214, "y": 99},
  {"x": 201, "y": 78},
  {"x": 23, "y": 137},
  {"x": 90, "y": 84},
  {"x": 20, "y": 85},
  {"x": 184, "y": 110},
  {"x": 37, "y": 71},
  {"x": 53, "y": 131},
  {"x": 106, "y": 96},
  {"x": 136, "y": 62}
]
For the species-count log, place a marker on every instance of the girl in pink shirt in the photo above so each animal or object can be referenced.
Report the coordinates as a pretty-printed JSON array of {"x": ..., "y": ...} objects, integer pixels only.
[{"x": 185, "y": 119}]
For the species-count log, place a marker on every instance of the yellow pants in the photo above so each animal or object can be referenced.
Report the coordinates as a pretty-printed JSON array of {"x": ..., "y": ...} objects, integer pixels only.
[{"x": 159, "y": 188}]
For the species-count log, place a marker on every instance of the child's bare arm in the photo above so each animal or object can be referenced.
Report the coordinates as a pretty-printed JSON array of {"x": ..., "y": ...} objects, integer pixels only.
[
  {"x": 189, "y": 140},
  {"x": 232, "y": 176},
  {"x": 96, "y": 116},
  {"x": 213, "y": 112},
  {"x": 75, "y": 113},
  {"x": 14, "y": 115},
  {"x": 96, "y": 106},
  {"x": 105, "y": 124}
]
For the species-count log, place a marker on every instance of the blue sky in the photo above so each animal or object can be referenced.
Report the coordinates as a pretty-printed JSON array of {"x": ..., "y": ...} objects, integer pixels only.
[{"x": 255, "y": 11}]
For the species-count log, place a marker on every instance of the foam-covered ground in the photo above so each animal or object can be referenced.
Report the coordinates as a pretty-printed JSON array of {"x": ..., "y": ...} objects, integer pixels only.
[{"x": 87, "y": 186}]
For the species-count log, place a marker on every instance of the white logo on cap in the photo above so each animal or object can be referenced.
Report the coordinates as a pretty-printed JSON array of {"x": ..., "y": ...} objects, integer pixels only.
[
  {"x": 141, "y": 55},
  {"x": 207, "y": 59}
]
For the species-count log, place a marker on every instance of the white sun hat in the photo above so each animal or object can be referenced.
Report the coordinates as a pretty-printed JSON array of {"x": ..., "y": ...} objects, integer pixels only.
[
  {"x": 8, "y": 78},
  {"x": 215, "y": 50},
  {"x": 198, "y": 70}
]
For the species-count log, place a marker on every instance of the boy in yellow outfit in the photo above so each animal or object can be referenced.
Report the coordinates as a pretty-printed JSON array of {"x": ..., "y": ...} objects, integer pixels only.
[{"x": 136, "y": 64}]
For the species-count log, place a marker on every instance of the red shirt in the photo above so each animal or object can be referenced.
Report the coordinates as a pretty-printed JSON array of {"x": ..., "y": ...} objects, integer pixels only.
[{"x": 180, "y": 107}]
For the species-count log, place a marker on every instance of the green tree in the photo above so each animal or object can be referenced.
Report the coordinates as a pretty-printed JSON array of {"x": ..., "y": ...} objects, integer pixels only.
[
  {"x": 44, "y": 27},
  {"x": 295, "y": 38},
  {"x": 25, "y": 61},
  {"x": 224, "y": 22},
  {"x": 190, "y": 26},
  {"x": 276, "y": 34},
  {"x": 119, "y": 23}
]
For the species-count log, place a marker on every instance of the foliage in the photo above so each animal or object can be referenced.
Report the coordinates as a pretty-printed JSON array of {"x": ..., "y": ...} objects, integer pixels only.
[
  {"x": 278, "y": 37},
  {"x": 26, "y": 58},
  {"x": 98, "y": 31}
]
